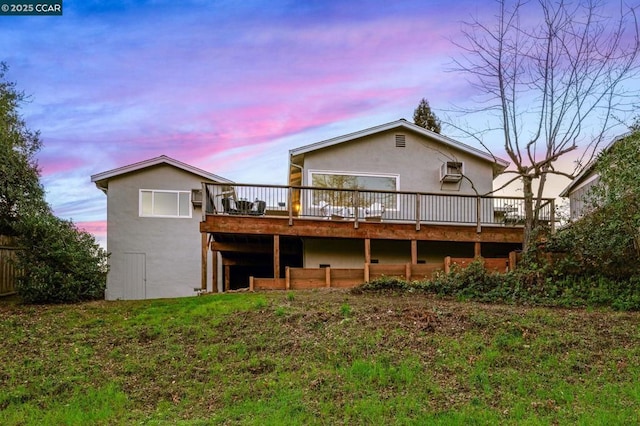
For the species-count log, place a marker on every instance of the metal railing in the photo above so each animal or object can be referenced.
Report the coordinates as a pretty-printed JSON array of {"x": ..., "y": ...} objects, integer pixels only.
[{"x": 366, "y": 205}]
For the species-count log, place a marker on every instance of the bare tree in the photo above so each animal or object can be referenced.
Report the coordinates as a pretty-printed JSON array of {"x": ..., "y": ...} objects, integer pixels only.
[{"x": 553, "y": 75}]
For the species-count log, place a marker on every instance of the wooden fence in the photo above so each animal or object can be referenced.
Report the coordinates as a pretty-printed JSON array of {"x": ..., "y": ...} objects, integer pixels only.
[
  {"x": 308, "y": 278},
  {"x": 8, "y": 271}
]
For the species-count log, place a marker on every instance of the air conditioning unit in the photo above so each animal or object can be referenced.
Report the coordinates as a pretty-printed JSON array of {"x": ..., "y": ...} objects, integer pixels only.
[
  {"x": 196, "y": 197},
  {"x": 451, "y": 172}
]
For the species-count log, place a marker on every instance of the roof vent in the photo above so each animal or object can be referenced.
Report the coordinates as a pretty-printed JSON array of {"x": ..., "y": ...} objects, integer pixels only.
[{"x": 401, "y": 141}]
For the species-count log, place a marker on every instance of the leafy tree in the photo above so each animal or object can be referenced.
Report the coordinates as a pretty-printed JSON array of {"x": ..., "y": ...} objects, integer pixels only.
[
  {"x": 20, "y": 188},
  {"x": 553, "y": 72},
  {"x": 58, "y": 262},
  {"x": 424, "y": 117},
  {"x": 606, "y": 241}
]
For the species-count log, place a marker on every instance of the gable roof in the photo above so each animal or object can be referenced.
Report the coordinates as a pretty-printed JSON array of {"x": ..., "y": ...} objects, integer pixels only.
[
  {"x": 589, "y": 168},
  {"x": 500, "y": 164},
  {"x": 101, "y": 179}
]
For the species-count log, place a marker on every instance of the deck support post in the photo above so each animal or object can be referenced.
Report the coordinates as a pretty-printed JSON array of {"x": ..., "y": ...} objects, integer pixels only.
[
  {"x": 214, "y": 271},
  {"x": 477, "y": 249},
  {"x": 276, "y": 256},
  {"x": 227, "y": 277},
  {"x": 203, "y": 259},
  {"x": 414, "y": 252},
  {"x": 367, "y": 250}
]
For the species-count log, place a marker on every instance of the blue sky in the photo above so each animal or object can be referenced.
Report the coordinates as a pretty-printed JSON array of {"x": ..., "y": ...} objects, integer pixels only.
[{"x": 226, "y": 86}]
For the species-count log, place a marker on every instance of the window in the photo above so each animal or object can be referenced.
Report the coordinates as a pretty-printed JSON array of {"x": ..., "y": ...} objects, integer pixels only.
[
  {"x": 353, "y": 181},
  {"x": 156, "y": 203}
]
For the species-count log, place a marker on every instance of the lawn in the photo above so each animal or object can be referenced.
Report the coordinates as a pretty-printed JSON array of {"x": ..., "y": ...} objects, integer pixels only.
[{"x": 316, "y": 357}]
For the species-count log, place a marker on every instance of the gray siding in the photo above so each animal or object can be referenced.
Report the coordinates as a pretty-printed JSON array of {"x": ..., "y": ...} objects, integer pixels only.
[
  {"x": 171, "y": 246},
  {"x": 417, "y": 164}
]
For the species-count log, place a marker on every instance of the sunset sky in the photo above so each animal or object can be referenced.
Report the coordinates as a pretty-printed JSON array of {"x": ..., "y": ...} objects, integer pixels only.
[{"x": 226, "y": 86}]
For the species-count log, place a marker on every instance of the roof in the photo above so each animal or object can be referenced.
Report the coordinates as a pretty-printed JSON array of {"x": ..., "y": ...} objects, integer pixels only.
[
  {"x": 586, "y": 170},
  {"x": 402, "y": 123},
  {"x": 101, "y": 179}
]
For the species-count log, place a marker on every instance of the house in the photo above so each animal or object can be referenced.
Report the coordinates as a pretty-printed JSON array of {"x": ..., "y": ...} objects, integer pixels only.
[
  {"x": 153, "y": 212},
  {"x": 394, "y": 194},
  {"x": 578, "y": 190}
]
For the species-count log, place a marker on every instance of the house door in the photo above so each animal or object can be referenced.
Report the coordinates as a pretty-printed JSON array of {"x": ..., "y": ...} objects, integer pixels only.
[{"x": 135, "y": 275}]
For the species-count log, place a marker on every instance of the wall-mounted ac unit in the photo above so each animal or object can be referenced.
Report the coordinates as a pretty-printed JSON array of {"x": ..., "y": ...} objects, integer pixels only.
[
  {"x": 196, "y": 197},
  {"x": 451, "y": 172}
]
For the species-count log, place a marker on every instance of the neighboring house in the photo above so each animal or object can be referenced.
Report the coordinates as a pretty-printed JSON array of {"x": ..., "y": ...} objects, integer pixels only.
[
  {"x": 578, "y": 191},
  {"x": 153, "y": 212},
  {"x": 391, "y": 194}
]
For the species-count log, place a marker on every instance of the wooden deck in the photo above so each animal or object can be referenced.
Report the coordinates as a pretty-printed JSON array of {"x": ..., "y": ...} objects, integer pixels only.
[{"x": 241, "y": 234}]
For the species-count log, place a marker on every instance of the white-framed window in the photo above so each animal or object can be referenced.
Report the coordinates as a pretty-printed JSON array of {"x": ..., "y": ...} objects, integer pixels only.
[
  {"x": 164, "y": 203},
  {"x": 354, "y": 180}
]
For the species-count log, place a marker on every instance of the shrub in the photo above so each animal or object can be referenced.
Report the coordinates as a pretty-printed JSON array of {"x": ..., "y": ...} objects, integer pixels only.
[{"x": 59, "y": 262}]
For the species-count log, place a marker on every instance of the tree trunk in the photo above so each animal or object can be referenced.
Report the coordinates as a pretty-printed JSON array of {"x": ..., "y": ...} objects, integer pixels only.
[{"x": 527, "y": 186}]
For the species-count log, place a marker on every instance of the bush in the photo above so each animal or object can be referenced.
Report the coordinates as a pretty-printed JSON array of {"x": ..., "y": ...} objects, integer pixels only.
[
  {"x": 59, "y": 263},
  {"x": 534, "y": 284}
]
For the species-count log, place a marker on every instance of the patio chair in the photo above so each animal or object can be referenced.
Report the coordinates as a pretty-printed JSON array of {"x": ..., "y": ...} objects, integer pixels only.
[
  {"x": 375, "y": 212},
  {"x": 229, "y": 205},
  {"x": 259, "y": 208}
]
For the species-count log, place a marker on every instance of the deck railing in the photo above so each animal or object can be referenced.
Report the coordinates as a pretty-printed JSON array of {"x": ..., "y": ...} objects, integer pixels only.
[{"x": 368, "y": 205}]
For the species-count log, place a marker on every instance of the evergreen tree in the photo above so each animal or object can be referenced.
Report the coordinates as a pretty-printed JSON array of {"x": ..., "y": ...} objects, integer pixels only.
[{"x": 424, "y": 117}]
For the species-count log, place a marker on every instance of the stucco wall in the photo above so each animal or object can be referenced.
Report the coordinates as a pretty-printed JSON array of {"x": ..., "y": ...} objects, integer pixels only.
[
  {"x": 171, "y": 246},
  {"x": 417, "y": 164},
  {"x": 346, "y": 253}
]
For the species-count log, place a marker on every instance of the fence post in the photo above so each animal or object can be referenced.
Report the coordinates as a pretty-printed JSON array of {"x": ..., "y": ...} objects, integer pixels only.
[
  {"x": 417, "y": 212},
  {"x": 512, "y": 260},
  {"x": 287, "y": 278},
  {"x": 289, "y": 203},
  {"x": 356, "y": 207},
  {"x": 478, "y": 218}
]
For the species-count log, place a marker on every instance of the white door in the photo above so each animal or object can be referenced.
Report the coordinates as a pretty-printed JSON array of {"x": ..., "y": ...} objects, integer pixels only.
[{"x": 135, "y": 276}]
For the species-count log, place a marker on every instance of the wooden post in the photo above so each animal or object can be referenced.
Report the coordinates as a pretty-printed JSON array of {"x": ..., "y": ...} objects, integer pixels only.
[
  {"x": 227, "y": 277},
  {"x": 276, "y": 256},
  {"x": 417, "y": 212},
  {"x": 478, "y": 218},
  {"x": 477, "y": 249},
  {"x": 327, "y": 276},
  {"x": 366, "y": 272},
  {"x": 367, "y": 250},
  {"x": 214, "y": 271},
  {"x": 289, "y": 203},
  {"x": 414, "y": 252},
  {"x": 553, "y": 216},
  {"x": 203, "y": 259},
  {"x": 356, "y": 203},
  {"x": 251, "y": 283},
  {"x": 407, "y": 272},
  {"x": 512, "y": 260},
  {"x": 447, "y": 264},
  {"x": 287, "y": 278}
]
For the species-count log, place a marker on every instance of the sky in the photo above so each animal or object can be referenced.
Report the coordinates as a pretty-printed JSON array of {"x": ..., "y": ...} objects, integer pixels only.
[{"x": 226, "y": 86}]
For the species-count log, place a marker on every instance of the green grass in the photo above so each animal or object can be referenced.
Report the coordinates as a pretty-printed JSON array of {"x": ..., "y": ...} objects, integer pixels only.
[{"x": 316, "y": 357}]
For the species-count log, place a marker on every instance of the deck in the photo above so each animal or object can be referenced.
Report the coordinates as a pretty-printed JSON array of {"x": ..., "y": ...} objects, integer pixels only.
[{"x": 266, "y": 220}]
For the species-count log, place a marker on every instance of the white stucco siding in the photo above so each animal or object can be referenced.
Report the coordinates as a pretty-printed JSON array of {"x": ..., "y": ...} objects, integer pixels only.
[
  {"x": 171, "y": 245},
  {"x": 417, "y": 164}
]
